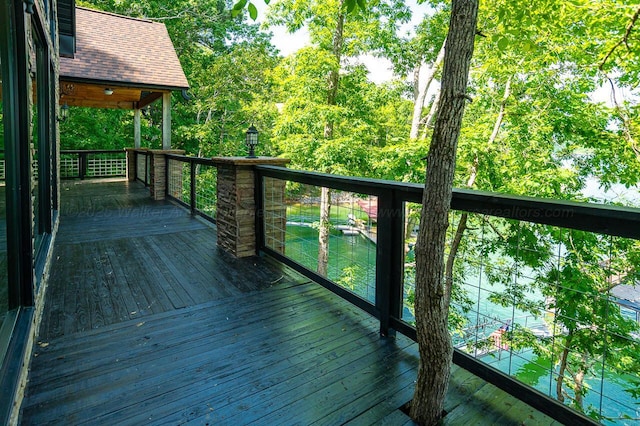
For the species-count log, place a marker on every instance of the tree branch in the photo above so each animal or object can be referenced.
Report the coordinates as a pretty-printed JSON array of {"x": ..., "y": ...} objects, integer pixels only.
[{"x": 624, "y": 40}]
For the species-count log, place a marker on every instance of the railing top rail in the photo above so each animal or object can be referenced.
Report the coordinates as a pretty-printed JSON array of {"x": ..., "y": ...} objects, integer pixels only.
[
  {"x": 603, "y": 219},
  {"x": 345, "y": 183},
  {"x": 92, "y": 151},
  {"x": 188, "y": 159}
]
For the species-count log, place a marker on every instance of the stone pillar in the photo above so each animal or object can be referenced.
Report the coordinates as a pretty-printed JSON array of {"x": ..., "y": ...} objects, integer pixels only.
[
  {"x": 158, "y": 172},
  {"x": 236, "y": 204}
]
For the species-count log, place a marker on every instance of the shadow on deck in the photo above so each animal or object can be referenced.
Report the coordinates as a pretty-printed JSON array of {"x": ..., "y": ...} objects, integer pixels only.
[{"x": 147, "y": 322}]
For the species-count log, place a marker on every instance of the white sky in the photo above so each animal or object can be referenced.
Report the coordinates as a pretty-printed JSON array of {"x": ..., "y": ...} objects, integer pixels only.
[{"x": 379, "y": 69}]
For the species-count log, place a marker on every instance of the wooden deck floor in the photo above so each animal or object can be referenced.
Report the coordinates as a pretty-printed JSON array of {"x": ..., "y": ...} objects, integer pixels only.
[{"x": 147, "y": 322}]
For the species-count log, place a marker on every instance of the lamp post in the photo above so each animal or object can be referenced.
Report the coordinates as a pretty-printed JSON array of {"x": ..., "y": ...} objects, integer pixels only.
[{"x": 252, "y": 141}]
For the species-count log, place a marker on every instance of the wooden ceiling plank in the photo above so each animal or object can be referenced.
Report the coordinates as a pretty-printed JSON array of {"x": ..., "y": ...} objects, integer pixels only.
[{"x": 100, "y": 104}]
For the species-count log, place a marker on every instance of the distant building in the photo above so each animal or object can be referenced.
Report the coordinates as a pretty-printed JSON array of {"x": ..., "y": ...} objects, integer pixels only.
[{"x": 628, "y": 297}]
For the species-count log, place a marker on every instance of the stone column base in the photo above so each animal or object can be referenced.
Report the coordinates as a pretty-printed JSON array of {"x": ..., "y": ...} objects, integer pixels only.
[{"x": 236, "y": 204}]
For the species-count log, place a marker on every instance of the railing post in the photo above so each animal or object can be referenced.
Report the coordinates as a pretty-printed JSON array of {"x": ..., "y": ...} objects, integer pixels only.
[
  {"x": 147, "y": 168},
  {"x": 82, "y": 165},
  {"x": 132, "y": 164},
  {"x": 261, "y": 217},
  {"x": 389, "y": 255}
]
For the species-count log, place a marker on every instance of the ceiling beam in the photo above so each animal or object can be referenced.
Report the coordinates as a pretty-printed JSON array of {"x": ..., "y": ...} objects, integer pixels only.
[
  {"x": 148, "y": 99},
  {"x": 99, "y": 104}
]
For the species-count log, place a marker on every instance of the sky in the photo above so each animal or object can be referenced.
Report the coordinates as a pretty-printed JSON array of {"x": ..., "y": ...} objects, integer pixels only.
[{"x": 379, "y": 69}]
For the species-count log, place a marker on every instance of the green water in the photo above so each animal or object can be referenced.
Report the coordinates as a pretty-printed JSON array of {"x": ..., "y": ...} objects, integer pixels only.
[
  {"x": 607, "y": 392},
  {"x": 352, "y": 258}
]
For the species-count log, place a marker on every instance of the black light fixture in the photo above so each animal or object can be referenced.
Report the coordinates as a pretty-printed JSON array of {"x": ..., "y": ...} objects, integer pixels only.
[
  {"x": 64, "y": 113},
  {"x": 29, "y": 6},
  {"x": 252, "y": 141}
]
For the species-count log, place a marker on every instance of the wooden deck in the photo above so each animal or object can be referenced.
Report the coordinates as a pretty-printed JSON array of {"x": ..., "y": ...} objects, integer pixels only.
[{"x": 147, "y": 322}]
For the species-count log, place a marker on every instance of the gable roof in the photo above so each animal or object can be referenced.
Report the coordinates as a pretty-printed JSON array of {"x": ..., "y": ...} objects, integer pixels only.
[{"x": 116, "y": 50}]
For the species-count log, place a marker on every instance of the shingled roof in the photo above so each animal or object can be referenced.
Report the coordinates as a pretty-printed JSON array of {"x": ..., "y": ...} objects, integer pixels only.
[{"x": 121, "y": 51}]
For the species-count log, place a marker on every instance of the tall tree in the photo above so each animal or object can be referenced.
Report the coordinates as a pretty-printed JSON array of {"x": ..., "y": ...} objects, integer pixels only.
[
  {"x": 432, "y": 294},
  {"x": 331, "y": 31}
]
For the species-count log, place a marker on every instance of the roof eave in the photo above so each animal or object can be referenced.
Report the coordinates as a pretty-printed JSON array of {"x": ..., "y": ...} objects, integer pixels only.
[{"x": 130, "y": 84}]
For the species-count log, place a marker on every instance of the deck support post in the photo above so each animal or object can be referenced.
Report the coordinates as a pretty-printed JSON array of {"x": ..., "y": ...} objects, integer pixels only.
[
  {"x": 237, "y": 207},
  {"x": 136, "y": 128},
  {"x": 166, "y": 121}
]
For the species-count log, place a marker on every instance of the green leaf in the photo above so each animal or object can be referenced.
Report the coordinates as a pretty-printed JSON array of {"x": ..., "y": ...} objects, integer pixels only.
[
  {"x": 362, "y": 4},
  {"x": 253, "y": 11},
  {"x": 503, "y": 43},
  {"x": 351, "y": 5},
  {"x": 239, "y": 6}
]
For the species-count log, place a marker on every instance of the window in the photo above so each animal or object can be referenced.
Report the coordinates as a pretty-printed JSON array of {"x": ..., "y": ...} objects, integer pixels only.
[{"x": 40, "y": 152}]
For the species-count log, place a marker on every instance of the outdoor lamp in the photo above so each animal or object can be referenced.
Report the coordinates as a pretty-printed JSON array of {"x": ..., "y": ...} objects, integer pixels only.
[
  {"x": 64, "y": 112},
  {"x": 108, "y": 91},
  {"x": 29, "y": 6},
  {"x": 252, "y": 141}
]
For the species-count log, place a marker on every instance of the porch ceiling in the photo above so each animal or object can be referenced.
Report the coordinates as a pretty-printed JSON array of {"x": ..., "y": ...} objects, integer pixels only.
[{"x": 93, "y": 95}]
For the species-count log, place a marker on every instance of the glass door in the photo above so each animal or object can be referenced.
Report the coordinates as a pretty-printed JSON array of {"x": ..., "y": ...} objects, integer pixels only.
[{"x": 4, "y": 282}]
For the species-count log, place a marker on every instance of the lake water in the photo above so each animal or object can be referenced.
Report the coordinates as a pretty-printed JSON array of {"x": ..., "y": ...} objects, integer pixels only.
[{"x": 352, "y": 258}]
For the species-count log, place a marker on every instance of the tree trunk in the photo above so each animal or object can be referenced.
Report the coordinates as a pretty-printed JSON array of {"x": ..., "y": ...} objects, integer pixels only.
[
  {"x": 428, "y": 120},
  {"x": 563, "y": 367},
  {"x": 416, "y": 83},
  {"x": 332, "y": 93},
  {"x": 579, "y": 381},
  {"x": 323, "y": 232},
  {"x": 453, "y": 252},
  {"x": 334, "y": 74},
  {"x": 419, "y": 99},
  {"x": 473, "y": 174},
  {"x": 500, "y": 118},
  {"x": 434, "y": 340}
]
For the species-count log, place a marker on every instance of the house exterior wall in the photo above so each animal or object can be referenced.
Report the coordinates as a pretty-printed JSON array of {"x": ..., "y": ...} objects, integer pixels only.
[{"x": 30, "y": 67}]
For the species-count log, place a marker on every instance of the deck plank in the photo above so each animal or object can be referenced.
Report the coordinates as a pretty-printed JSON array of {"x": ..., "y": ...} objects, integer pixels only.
[
  {"x": 130, "y": 257},
  {"x": 148, "y": 322}
]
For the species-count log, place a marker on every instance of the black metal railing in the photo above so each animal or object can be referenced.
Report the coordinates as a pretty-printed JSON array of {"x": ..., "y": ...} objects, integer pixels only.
[
  {"x": 81, "y": 164},
  {"x": 191, "y": 181},
  {"x": 512, "y": 261}
]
